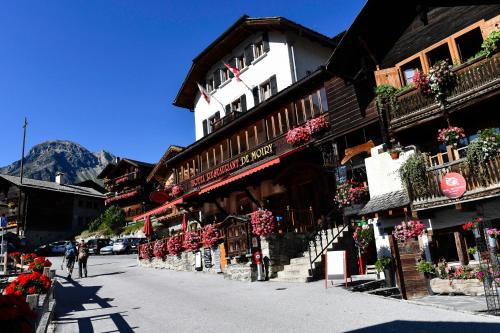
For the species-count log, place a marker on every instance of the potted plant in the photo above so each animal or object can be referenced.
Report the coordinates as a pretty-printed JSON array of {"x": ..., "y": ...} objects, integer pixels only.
[
  {"x": 492, "y": 237},
  {"x": 29, "y": 284},
  {"x": 363, "y": 236},
  {"x": 473, "y": 226},
  {"x": 408, "y": 230},
  {"x": 429, "y": 271},
  {"x": 451, "y": 136},
  {"x": 394, "y": 152},
  {"x": 440, "y": 80},
  {"x": 15, "y": 314},
  {"x": 38, "y": 264},
  {"x": 386, "y": 264},
  {"x": 474, "y": 253}
]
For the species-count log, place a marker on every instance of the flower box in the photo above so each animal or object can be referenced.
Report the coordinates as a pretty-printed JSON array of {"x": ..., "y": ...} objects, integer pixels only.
[{"x": 469, "y": 287}]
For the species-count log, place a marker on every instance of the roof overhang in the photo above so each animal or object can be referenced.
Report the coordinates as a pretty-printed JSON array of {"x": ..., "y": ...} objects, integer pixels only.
[
  {"x": 171, "y": 151},
  {"x": 243, "y": 28}
]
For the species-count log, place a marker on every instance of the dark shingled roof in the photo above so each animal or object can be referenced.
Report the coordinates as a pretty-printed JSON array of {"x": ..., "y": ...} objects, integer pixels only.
[
  {"x": 53, "y": 186},
  {"x": 386, "y": 201}
]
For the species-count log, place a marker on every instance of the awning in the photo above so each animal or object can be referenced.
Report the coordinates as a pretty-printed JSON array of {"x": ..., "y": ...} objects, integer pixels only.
[
  {"x": 158, "y": 210},
  {"x": 240, "y": 175}
]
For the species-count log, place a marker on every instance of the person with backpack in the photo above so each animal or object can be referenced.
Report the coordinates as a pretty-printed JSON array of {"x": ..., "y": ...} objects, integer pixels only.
[
  {"x": 70, "y": 257},
  {"x": 83, "y": 255}
]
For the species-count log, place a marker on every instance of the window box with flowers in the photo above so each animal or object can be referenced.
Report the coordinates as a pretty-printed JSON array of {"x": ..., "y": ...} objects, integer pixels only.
[
  {"x": 209, "y": 236},
  {"x": 451, "y": 136},
  {"x": 318, "y": 125},
  {"x": 174, "y": 246},
  {"x": 473, "y": 226},
  {"x": 29, "y": 284},
  {"x": 298, "y": 135},
  {"x": 191, "y": 241},
  {"x": 160, "y": 249},
  {"x": 459, "y": 279},
  {"x": 15, "y": 314},
  {"x": 351, "y": 194},
  {"x": 438, "y": 83},
  {"x": 38, "y": 264}
]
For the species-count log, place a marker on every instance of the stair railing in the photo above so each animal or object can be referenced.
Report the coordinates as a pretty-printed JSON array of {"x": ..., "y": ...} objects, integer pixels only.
[{"x": 317, "y": 237}]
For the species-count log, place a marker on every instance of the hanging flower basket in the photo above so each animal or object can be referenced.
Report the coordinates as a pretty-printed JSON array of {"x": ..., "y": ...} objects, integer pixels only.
[
  {"x": 174, "y": 246},
  {"x": 451, "y": 135},
  {"x": 298, "y": 135},
  {"x": 28, "y": 284},
  {"x": 38, "y": 264},
  {"x": 209, "y": 236},
  {"x": 318, "y": 125},
  {"x": 263, "y": 222},
  {"x": 408, "y": 230},
  {"x": 471, "y": 225},
  {"x": 351, "y": 193}
]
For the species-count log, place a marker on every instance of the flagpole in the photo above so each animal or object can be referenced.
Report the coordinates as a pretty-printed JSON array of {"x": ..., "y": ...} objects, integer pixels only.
[{"x": 21, "y": 178}]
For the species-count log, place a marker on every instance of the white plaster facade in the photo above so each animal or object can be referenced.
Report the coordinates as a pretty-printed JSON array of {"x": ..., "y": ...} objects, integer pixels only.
[{"x": 289, "y": 58}]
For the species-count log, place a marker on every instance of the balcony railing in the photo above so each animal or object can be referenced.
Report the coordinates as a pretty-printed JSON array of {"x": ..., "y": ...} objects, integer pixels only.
[
  {"x": 484, "y": 183},
  {"x": 475, "y": 79},
  {"x": 226, "y": 119}
]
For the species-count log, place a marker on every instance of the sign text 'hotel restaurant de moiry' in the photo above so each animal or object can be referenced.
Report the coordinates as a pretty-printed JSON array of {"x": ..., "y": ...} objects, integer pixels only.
[{"x": 249, "y": 158}]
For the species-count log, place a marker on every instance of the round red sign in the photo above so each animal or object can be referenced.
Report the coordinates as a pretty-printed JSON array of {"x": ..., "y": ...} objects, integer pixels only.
[{"x": 453, "y": 185}]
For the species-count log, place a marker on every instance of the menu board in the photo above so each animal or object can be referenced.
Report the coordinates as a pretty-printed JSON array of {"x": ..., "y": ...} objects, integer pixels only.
[
  {"x": 217, "y": 260},
  {"x": 207, "y": 257}
]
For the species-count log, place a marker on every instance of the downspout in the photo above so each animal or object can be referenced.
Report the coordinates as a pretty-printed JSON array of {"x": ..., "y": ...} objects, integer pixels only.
[{"x": 294, "y": 66}]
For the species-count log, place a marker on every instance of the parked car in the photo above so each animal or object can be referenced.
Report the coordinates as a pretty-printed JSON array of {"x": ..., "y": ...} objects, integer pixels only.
[
  {"x": 135, "y": 242},
  {"x": 95, "y": 245},
  {"x": 121, "y": 245},
  {"x": 108, "y": 249},
  {"x": 54, "y": 248}
]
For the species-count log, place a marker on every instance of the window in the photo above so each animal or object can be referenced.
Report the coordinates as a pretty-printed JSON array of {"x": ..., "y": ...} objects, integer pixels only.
[
  {"x": 469, "y": 44},
  {"x": 240, "y": 61},
  {"x": 409, "y": 69},
  {"x": 324, "y": 100},
  {"x": 236, "y": 105},
  {"x": 211, "y": 121},
  {"x": 439, "y": 53},
  {"x": 258, "y": 49},
  {"x": 252, "y": 137},
  {"x": 268, "y": 89},
  {"x": 261, "y": 132},
  {"x": 225, "y": 72},
  {"x": 234, "y": 145},
  {"x": 204, "y": 162},
  {"x": 210, "y": 85}
]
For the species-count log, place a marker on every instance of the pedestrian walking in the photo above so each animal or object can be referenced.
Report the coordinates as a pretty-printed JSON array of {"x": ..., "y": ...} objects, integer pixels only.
[
  {"x": 83, "y": 255},
  {"x": 70, "y": 257}
]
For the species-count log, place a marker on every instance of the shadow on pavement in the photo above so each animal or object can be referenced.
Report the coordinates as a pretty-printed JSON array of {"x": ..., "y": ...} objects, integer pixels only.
[
  {"x": 426, "y": 326},
  {"x": 72, "y": 296}
]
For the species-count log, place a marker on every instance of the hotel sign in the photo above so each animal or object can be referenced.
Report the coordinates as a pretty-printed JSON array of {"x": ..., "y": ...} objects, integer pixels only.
[{"x": 242, "y": 161}]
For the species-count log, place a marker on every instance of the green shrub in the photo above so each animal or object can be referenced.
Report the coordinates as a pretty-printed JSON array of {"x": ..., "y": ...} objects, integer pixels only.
[
  {"x": 413, "y": 173},
  {"x": 383, "y": 263},
  {"x": 426, "y": 267}
]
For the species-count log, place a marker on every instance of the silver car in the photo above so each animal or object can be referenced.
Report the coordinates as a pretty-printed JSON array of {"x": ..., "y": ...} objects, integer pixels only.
[
  {"x": 121, "y": 245},
  {"x": 107, "y": 249}
]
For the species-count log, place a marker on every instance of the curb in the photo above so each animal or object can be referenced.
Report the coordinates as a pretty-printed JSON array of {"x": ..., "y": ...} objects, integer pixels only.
[{"x": 48, "y": 315}]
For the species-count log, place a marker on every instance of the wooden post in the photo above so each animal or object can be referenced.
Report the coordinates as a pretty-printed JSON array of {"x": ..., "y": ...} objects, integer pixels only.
[
  {"x": 449, "y": 151},
  {"x": 461, "y": 248}
]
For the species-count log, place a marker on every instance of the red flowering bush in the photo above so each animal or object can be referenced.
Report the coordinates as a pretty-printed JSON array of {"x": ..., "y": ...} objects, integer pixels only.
[
  {"x": 209, "y": 235},
  {"x": 39, "y": 263},
  {"x": 298, "y": 135},
  {"x": 16, "y": 256},
  {"x": 28, "y": 257},
  {"x": 438, "y": 83},
  {"x": 146, "y": 251},
  {"x": 318, "y": 124},
  {"x": 160, "y": 249},
  {"x": 28, "y": 284},
  {"x": 351, "y": 193},
  {"x": 191, "y": 241},
  {"x": 263, "y": 222},
  {"x": 421, "y": 82},
  {"x": 174, "y": 246},
  {"x": 470, "y": 225},
  {"x": 407, "y": 230},
  {"x": 450, "y": 135},
  {"x": 15, "y": 314},
  {"x": 177, "y": 190}
]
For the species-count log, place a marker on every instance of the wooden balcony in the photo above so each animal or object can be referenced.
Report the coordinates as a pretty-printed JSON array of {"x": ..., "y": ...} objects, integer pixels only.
[
  {"x": 484, "y": 184},
  {"x": 229, "y": 117},
  {"x": 476, "y": 80}
]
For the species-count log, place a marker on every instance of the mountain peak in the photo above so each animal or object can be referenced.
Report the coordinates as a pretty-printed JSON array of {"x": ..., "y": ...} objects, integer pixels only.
[{"x": 45, "y": 159}]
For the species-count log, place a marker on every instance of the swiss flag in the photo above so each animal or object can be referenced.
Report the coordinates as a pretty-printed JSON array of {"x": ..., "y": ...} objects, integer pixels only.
[
  {"x": 235, "y": 71},
  {"x": 204, "y": 93}
]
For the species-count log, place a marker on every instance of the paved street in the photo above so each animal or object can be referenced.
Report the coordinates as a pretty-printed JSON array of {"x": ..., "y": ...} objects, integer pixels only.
[{"x": 118, "y": 296}]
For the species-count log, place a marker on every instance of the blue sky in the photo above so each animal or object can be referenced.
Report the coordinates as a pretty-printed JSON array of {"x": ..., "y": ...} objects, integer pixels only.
[{"x": 104, "y": 73}]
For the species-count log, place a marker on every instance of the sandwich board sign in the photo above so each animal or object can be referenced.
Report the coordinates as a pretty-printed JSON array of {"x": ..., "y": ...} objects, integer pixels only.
[{"x": 336, "y": 266}]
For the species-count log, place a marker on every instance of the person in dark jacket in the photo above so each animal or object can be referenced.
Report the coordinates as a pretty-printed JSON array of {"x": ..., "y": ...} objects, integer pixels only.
[
  {"x": 70, "y": 257},
  {"x": 83, "y": 255}
]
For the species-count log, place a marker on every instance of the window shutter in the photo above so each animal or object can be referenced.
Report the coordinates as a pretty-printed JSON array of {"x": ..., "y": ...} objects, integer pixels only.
[
  {"x": 228, "y": 109},
  {"x": 243, "y": 101},
  {"x": 205, "y": 127},
  {"x": 248, "y": 54},
  {"x": 255, "y": 92},
  {"x": 232, "y": 63},
  {"x": 217, "y": 116},
  {"x": 274, "y": 86},
  {"x": 388, "y": 76},
  {"x": 217, "y": 79},
  {"x": 265, "y": 42}
]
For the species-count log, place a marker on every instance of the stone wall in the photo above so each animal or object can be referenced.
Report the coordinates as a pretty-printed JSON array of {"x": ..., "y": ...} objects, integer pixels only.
[
  {"x": 241, "y": 272},
  {"x": 471, "y": 287},
  {"x": 277, "y": 250}
]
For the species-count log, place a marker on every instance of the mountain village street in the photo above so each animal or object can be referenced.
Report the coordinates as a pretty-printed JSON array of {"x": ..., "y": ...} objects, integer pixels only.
[{"x": 120, "y": 297}]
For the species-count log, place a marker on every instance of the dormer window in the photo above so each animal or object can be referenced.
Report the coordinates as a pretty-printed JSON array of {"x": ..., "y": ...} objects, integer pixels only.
[
  {"x": 258, "y": 49},
  {"x": 240, "y": 62},
  {"x": 210, "y": 85}
]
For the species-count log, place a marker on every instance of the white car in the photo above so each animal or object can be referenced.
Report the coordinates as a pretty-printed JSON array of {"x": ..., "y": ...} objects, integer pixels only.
[
  {"x": 121, "y": 245},
  {"x": 108, "y": 249}
]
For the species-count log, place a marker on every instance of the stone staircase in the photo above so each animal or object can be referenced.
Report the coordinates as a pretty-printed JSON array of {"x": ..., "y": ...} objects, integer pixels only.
[{"x": 298, "y": 270}]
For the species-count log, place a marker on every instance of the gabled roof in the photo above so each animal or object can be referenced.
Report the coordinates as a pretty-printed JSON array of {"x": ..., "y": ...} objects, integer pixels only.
[
  {"x": 52, "y": 186},
  {"x": 244, "y": 27},
  {"x": 161, "y": 165},
  {"x": 111, "y": 168}
]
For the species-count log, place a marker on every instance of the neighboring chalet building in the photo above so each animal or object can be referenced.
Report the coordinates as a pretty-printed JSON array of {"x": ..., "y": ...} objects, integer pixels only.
[
  {"x": 48, "y": 211},
  {"x": 242, "y": 160},
  {"x": 397, "y": 46},
  {"x": 126, "y": 186}
]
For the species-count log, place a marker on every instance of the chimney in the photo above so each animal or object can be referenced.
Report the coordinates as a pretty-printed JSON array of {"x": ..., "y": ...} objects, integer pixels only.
[{"x": 60, "y": 178}]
